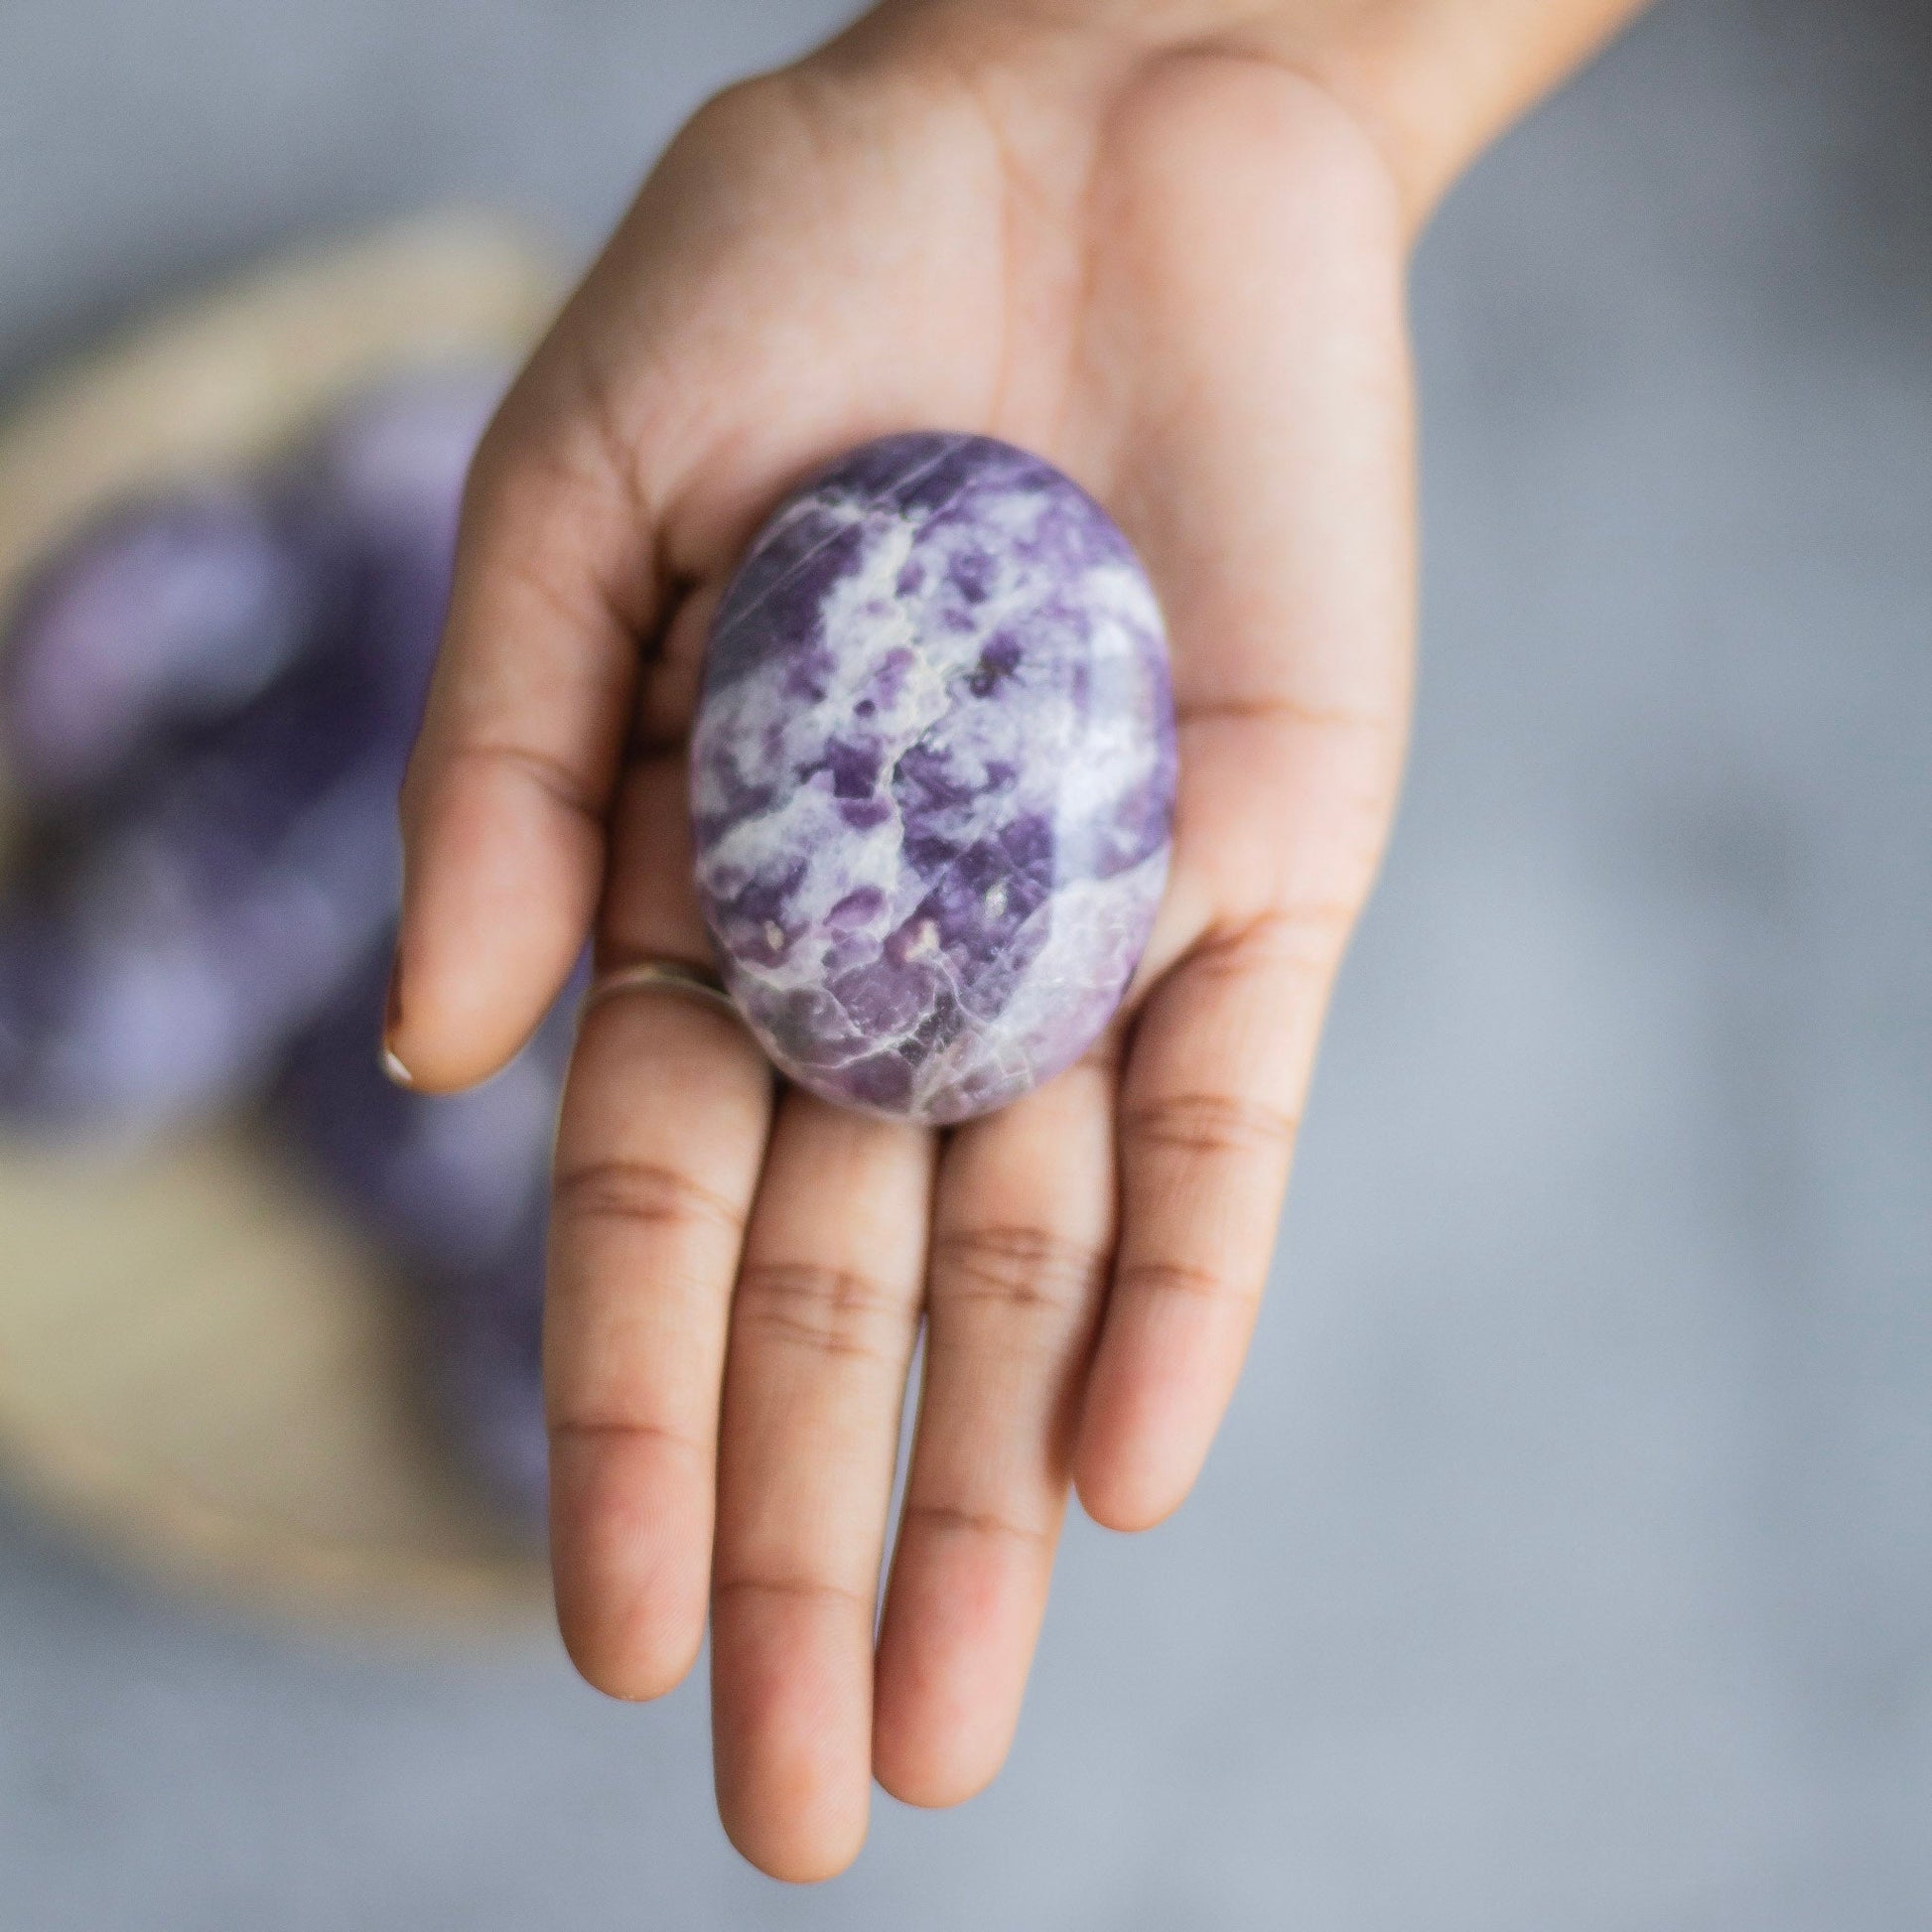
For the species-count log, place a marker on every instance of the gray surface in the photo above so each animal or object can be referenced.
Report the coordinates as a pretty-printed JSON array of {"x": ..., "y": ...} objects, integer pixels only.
[{"x": 1566, "y": 1565}]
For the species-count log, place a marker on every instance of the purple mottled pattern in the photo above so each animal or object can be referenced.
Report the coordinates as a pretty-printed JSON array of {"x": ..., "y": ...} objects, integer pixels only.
[{"x": 932, "y": 776}]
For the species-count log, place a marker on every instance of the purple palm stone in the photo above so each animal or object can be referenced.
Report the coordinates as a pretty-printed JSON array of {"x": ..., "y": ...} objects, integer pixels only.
[{"x": 932, "y": 776}]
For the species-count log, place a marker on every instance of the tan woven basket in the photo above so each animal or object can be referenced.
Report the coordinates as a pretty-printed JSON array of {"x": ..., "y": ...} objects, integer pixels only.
[{"x": 199, "y": 1365}]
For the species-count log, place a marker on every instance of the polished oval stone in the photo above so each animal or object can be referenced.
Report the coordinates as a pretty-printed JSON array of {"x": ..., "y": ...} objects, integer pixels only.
[{"x": 932, "y": 776}]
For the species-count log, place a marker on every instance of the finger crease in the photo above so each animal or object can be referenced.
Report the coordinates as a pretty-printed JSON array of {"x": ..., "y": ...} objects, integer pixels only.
[
  {"x": 557, "y": 781},
  {"x": 1306, "y": 937},
  {"x": 536, "y": 580},
  {"x": 951, "y": 1521},
  {"x": 830, "y": 1311},
  {"x": 598, "y": 1428},
  {"x": 1283, "y": 711},
  {"x": 804, "y": 1588},
  {"x": 1014, "y": 1267},
  {"x": 1183, "y": 1277},
  {"x": 1210, "y": 1124},
  {"x": 644, "y": 1194}
]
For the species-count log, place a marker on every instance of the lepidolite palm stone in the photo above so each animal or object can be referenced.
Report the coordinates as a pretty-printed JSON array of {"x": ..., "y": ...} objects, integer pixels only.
[{"x": 932, "y": 776}]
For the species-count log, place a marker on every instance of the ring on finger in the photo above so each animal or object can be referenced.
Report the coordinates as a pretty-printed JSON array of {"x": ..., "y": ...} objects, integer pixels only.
[{"x": 659, "y": 976}]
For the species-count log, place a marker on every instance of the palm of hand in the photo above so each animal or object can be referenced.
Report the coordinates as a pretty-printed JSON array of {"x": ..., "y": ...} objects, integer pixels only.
[{"x": 1183, "y": 287}]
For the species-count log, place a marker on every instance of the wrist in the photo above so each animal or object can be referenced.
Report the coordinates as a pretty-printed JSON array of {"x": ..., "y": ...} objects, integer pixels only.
[{"x": 1429, "y": 84}]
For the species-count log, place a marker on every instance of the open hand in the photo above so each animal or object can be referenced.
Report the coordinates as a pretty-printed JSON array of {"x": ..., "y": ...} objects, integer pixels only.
[{"x": 1178, "y": 277}]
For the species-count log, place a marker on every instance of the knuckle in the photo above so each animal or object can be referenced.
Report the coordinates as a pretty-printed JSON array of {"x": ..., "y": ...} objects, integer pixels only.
[
  {"x": 643, "y": 1195},
  {"x": 556, "y": 594},
  {"x": 946, "y": 1519},
  {"x": 1173, "y": 1279},
  {"x": 796, "y": 1586},
  {"x": 551, "y": 775},
  {"x": 1016, "y": 1267},
  {"x": 1208, "y": 1124},
  {"x": 600, "y": 1430},
  {"x": 1277, "y": 708},
  {"x": 832, "y": 1311},
  {"x": 1303, "y": 941}
]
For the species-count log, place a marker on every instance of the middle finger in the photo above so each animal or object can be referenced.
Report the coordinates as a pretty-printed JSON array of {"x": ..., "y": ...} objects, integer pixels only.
[
  {"x": 822, "y": 1333},
  {"x": 1022, "y": 1231}
]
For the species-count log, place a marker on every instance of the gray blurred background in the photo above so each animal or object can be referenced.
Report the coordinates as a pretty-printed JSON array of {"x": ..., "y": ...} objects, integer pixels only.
[{"x": 1566, "y": 1563}]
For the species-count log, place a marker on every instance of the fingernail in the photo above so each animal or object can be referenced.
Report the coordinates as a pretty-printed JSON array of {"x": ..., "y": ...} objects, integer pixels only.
[{"x": 391, "y": 1019}]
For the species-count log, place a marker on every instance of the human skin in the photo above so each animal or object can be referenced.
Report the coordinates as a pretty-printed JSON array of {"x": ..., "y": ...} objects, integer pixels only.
[{"x": 1162, "y": 245}]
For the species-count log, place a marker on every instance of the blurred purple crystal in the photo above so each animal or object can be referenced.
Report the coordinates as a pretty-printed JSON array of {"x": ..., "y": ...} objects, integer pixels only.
[
  {"x": 209, "y": 700},
  {"x": 457, "y": 1186},
  {"x": 932, "y": 776},
  {"x": 448, "y": 1181},
  {"x": 160, "y": 968},
  {"x": 217, "y": 913},
  {"x": 485, "y": 1330},
  {"x": 164, "y": 614}
]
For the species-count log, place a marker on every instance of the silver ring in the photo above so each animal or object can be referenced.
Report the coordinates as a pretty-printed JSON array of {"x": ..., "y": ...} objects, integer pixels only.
[{"x": 660, "y": 976}]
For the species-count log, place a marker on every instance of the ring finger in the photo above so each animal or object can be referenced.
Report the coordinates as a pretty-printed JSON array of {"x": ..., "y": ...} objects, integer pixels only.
[{"x": 662, "y": 1130}]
